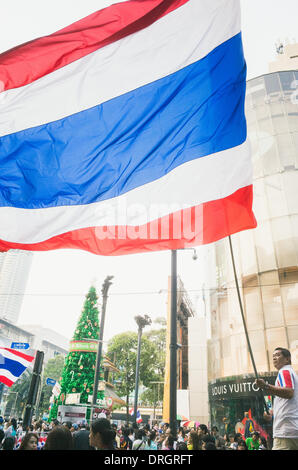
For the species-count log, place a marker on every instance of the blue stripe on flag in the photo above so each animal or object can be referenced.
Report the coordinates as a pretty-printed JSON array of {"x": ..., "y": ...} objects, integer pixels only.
[
  {"x": 130, "y": 140},
  {"x": 14, "y": 367},
  {"x": 281, "y": 380}
]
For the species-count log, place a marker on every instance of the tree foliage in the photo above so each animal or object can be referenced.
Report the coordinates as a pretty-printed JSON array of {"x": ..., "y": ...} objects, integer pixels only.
[
  {"x": 18, "y": 394},
  {"x": 52, "y": 370},
  {"x": 122, "y": 350}
]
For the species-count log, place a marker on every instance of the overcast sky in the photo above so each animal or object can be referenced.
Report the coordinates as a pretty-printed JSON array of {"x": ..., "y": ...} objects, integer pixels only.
[{"x": 59, "y": 280}]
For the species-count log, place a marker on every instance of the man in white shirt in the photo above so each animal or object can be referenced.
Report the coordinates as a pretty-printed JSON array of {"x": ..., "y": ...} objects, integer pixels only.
[{"x": 285, "y": 406}]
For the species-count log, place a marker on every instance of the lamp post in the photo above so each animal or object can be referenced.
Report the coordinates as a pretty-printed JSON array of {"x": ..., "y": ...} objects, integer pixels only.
[
  {"x": 141, "y": 322},
  {"x": 173, "y": 345},
  {"x": 105, "y": 287}
]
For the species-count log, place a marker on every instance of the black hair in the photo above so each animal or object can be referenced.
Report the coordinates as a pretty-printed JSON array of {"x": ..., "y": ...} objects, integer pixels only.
[
  {"x": 8, "y": 443},
  {"x": 125, "y": 431},
  {"x": 140, "y": 434},
  {"x": 14, "y": 423},
  {"x": 170, "y": 441},
  {"x": 242, "y": 444},
  {"x": 60, "y": 438},
  {"x": 152, "y": 436},
  {"x": 207, "y": 438},
  {"x": 68, "y": 424},
  {"x": 285, "y": 352},
  {"x": 263, "y": 441},
  {"x": 238, "y": 437},
  {"x": 26, "y": 439},
  {"x": 210, "y": 446},
  {"x": 181, "y": 446},
  {"x": 195, "y": 440},
  {"x": 107, "y": 434},
  {"x": 204, "y": 428}
]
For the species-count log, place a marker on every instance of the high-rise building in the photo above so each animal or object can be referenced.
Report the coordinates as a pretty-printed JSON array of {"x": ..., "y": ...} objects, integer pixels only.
[
  {"x": 14, "y": 271},
  {"x": 266, "y": 262},
  {"x": 287, "y": 57}
]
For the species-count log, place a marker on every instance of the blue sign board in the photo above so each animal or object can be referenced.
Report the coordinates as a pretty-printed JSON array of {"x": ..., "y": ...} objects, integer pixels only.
[
  {"x": 50, "y": 381},
  {"x": 19, "y": 346}
]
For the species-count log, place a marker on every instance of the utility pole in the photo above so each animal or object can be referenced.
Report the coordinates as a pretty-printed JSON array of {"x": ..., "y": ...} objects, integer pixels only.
[
  {"x": 141, "y": 322},
  {"x": 105, "y": 287},
  {"x": 33, "y": 390}
]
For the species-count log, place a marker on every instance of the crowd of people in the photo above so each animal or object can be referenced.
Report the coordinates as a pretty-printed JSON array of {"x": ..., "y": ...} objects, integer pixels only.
[{"x": 104, "y": 435}]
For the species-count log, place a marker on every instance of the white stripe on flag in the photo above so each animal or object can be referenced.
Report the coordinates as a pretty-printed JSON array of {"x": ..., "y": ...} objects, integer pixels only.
[
  {"x": 178, "y": 39},
  {"x": 8, "y": 375},
  {"x": 14, "y": 357}
]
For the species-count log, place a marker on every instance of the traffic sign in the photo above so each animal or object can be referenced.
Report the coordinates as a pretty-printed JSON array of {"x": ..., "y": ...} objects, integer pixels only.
[
  {"x": 19, "y": 346},
  {"x": 50, "y": 382}
]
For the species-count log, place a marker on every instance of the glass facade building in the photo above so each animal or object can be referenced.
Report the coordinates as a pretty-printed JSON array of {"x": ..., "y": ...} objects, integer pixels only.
[{"x": 266, "y": 257}]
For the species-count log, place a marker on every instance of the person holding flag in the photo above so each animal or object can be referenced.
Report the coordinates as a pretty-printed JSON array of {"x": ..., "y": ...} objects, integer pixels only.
[{"x": 285, "y": 405}]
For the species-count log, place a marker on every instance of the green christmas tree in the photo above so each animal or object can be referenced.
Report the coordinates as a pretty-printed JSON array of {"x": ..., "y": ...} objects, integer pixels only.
[{"x": 79, "y": 367}]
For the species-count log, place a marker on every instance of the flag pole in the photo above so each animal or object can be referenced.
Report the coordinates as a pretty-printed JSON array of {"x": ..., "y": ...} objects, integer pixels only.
[{"x": 244, "y": 322}]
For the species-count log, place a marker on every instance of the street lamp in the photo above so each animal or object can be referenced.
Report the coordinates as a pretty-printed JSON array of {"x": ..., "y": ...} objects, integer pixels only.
[
  {"x": 105, "y": 287},
  {"x": 141, "y": 322}
]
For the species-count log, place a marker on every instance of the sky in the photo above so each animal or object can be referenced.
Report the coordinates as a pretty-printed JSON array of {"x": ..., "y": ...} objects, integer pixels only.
[{"x": 59, "y": 280}]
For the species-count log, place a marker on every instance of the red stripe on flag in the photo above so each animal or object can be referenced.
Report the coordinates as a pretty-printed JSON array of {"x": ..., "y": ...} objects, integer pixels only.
[
  {"x": 19, "y": 354},
  {"x": 287, "y": 379},
  {"x": 30, "y": 61},
  {"x": 6, "y": 381},
  {"x": 208, "y": 222}
]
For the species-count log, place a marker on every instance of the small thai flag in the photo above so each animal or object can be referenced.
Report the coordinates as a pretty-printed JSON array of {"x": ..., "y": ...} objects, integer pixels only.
[
  {"x": 12, "y": 365},
  {"x": 139, "y": 417}
]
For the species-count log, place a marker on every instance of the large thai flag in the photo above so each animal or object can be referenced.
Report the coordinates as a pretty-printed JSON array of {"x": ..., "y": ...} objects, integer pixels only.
[
  {"x": 125, "y": 131},
  {"x": 12, "y": 365}
]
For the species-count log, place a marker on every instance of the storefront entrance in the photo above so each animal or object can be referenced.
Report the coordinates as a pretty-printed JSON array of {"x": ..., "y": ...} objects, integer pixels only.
[{"x": 236, "y": 405}]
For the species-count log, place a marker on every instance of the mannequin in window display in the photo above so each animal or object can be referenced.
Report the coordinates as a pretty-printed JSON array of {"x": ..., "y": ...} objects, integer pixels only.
[{"x": 249, "y": 426}]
